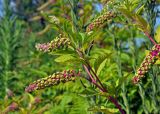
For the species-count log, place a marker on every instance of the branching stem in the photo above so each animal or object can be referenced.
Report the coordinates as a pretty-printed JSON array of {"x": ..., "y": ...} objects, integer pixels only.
[
  {"x": 151, "y": 39},
  {"x": 96, "y": 77},
  {"x": 88, "y": 68},
  {"x": 102, "y": 89}
]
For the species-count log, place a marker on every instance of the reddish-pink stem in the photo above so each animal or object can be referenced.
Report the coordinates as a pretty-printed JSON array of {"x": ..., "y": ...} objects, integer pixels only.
[
  {"x": 93, "y": 80},
  {"x": 112, "y": 99},
  {"x": 102, "y": 88},
  {"x": 147, "y": 34},
  {"x": 96, "y": 77}
]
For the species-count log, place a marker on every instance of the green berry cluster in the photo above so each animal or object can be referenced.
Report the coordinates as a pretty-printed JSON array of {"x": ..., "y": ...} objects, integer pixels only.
[
  {"x": 100, "y": 20},
  {"x": 54, "y": 79},
  {"x": 57, "y": 43}
]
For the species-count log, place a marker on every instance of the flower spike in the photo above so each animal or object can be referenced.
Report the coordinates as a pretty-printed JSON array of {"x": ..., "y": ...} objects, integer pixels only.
[
  {"x": 54, "y": 79},
  {"x": 57, "y": 43},
  {"x": 100, "y": 20},
  {"x": 147, "y": 63}
]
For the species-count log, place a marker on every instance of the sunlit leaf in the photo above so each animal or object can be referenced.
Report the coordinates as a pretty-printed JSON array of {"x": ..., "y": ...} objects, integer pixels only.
[
  {"x": 140, "y": 9},
  {"x": 64, "y": 58},
  {"x": 102, "y": 109},
  {"x": 101, "y": 66},
  {"x": 125, "y": 12},
  {"x": 157, "y": 34}
]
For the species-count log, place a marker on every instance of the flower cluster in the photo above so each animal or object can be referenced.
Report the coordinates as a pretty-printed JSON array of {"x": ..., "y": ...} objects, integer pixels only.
[
  {"x": 57, "y": 43},
  {"x": 147, "y": 63},
  {"x": 100, "y": 20},
  {"x": 54, "y": 79}
]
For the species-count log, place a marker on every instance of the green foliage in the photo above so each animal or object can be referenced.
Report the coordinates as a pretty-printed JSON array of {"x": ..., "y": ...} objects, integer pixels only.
[
  {"x": 113, "y": 52},
  {"x": 11, "y": 33}
]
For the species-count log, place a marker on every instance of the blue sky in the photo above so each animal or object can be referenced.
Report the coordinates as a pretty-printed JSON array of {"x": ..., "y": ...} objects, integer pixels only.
[
  {"x": 0, "y": 8},
  {"x": 157, "y": 19}
]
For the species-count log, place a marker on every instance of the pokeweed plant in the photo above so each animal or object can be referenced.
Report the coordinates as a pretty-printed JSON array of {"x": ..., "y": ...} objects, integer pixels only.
[
  {"x": 134, "y": 16},
  {"x": 142, "y": 16},
  {"x": 75, "y": 43},
  {"x": 74, "y": 47}
]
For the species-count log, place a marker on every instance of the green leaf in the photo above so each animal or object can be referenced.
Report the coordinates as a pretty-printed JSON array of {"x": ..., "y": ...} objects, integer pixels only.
[
  {"x": 140, "y": 9},
  {"x": 142, "y": 23},
  {"x": 131, "y": 5},
  {"x": 89, "y": 92},
  {"x": 83, "y": 37},
  {"x": 101, "y": 66},
  {"x": 38, "y": 72},
  {"x": 76, "y": 62},
  {"x": 66, "y": 26},
  {"x": 88, "y": 40},
  {"x": 62, "y": 52},
  {"x": 121, "y": 81},
  {"x": 158, "y": 61},
  {"x": 147, "y": 52},
  {"x": 103, "y": 109},
  {"x": 157, "y": 34},
  {"x": 125, "y": 57},
  {"x": 101, "y": 59},
  {"x": 31, "y": 97},
  {"x": 64, "y": 58},
  {"x": 136, "y": 19},
  {"x": 125, "y": 12},
  {"x": 104, "y": 94}
]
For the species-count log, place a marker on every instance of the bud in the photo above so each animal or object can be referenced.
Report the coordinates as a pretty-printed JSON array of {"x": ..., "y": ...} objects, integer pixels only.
[
  {"x": 10, "y": 93},
  {"x": 43, "y": 47},
  {"x": 12, "y": 107},
  {"x": 54, "y": 19},
  {"x": 57, "y": 43},
  {"x": 147, "y": 63},
  {"x": 37, "y": 100},
  {"x": 100, "y": 20},
  {"x": 54, "y": 79}
]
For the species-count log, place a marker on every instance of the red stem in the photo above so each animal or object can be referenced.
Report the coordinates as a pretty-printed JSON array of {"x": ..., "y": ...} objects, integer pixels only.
[
  {"x": 92, "y": 79},
  {"x": 102, "y": 88},
  {"x": 85, "y": 67},
  {"x": 147, "y": 34},
  {"x": 96, "y": 77},
  {"x": 115, "y": 102},
  {"x": 112, "y": 99}
]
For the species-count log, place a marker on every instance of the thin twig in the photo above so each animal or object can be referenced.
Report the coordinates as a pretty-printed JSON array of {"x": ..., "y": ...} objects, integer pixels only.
[
  {"x": 96, "y": 77},
  {"x": 112, "y": 99},
  {"x": 147, "y": 34},
  {"x": 102, "y": 88},
  {"x": 115, "y": 102},
  {"x": 92, "y": 79}
]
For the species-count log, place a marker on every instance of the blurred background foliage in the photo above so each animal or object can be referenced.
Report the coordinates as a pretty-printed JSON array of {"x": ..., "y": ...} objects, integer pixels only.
[{"x": 23, "y": 23}]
